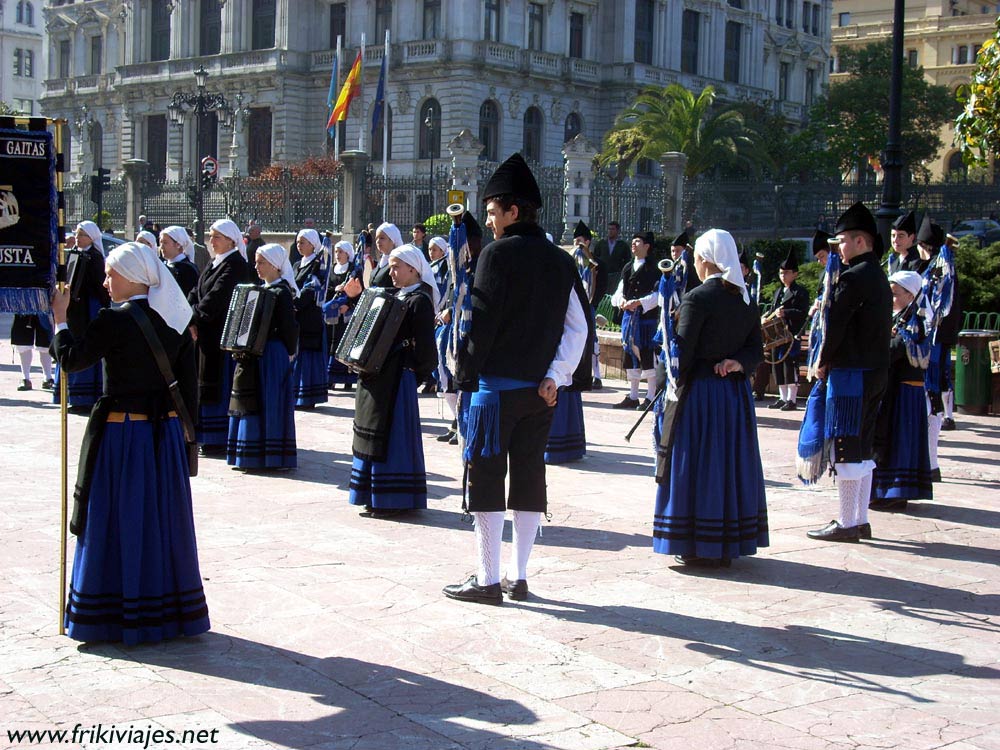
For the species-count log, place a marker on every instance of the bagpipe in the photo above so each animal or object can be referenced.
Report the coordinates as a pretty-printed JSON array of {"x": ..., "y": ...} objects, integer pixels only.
[
  {"x": 908, "y": 325},
  {"x": 820, "y": 319},
  {"x": 461, "y": 270}
]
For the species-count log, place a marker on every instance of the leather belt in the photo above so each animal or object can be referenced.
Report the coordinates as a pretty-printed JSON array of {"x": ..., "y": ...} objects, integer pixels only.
[{"x": 127, "y": 416}]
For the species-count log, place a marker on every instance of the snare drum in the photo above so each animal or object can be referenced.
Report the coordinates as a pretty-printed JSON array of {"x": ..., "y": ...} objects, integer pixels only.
[{"x": 775, "y": 333}]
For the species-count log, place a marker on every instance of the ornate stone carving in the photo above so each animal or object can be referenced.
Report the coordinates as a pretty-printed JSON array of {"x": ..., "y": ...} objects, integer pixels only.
[
  {"x": 514, "y": 104},
  {"x": 404, "y": 101}
]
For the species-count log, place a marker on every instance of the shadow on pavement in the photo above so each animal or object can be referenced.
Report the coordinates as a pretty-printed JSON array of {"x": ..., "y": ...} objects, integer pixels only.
[
  {"x": 955, "y": 513},
  {"x": 373, "y": 703}
]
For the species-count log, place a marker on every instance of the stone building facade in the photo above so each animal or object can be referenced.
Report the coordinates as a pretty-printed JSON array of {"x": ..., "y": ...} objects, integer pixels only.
[
  {"x": 22, "y": 54},
  {"x": 519, "y": 75}
]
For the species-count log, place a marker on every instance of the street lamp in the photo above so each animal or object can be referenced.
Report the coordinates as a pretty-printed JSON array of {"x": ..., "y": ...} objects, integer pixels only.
[
  {"x": 429, "y": 124},
  {"x": 200, "y": 103}
]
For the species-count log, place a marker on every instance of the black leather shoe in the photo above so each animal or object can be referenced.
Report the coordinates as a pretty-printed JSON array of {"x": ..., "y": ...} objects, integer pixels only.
[
  {"x": 703, "y": 562},
  {"x": 776, "y": 405},
  {"x": 429, "y": 388},
  {"x": 935, "y": 475},
  {"x": 626, "y": 403},
  {"x": 25, "y": 385},
  {"x": 48, "y": 385},
  {"x": 947, "y": 424},
  {"x": 887, "y": 504},
  {"x": 454, "y": 439},
  {"x": 212, "y": 451},
  {"x": 834, "y": 532},
  {"x": 642, "y": 404},
  {"x": 446, "y": 437},
  {"x": 348, "y": 386},
  {"x": 789, "y": 406},
  {"x": 516, "y": 590},
  {"x": 597, "y": 385},
  {"x": 471, "y": 591},
  {"x": 865, "y": 531}
]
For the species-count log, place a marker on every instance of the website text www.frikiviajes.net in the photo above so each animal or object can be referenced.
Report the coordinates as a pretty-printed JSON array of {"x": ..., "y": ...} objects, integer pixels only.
[{"x": 145, "y": 737}]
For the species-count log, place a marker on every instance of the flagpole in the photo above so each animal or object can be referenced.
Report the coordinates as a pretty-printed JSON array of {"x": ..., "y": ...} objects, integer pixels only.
[
  {"x": 361, "y": 97},
  {"x": 385, "y": 131},
  {"x": 336, "y": 125}
]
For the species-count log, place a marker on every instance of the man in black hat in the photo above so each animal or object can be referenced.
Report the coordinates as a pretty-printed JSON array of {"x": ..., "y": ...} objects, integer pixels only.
[
  {"x": 855, "y": 365},
  {"x": 904, "y": 255},
  {"x": 594, "y": 274},
  {"x": 682, "y": 252},
  {"x": 791, "y": 304},
  {"x": 637, "y": 297},
  {"x": 528, "y": 336}
]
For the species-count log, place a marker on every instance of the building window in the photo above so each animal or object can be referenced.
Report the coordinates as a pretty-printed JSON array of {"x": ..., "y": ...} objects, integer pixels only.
[
  {"x": 432, "y": 19},
  {"x": 844, "y": 19},
  {"x": 156, "y": 147},
  {"x": 208, "y": 139},
  {"x": 690, "y": 23},
  {"x": 815, "y": 20},
  {"x": 25, "y": 13},
  {"x": 96, "y": 53},
  {"x": 24, "y": 106},
  {"x": 383, "y": 19},
  {"x": 911, "y": 58},
  {"x": 790, "y": 14},
  {"x": 18, "y": 62},
  {"x": 210, "y": 28},
  {"x": 159, "y": 30},
  {"x": 806, "y": 17},
  {"x": 536, "y": 26},
  {"x": 532, "y": 142},
  {"x": 262, "y": 22},
  {"x": 975, "y": 51},
  {"x": 573, "y": 127},
  {"x": 784, "y": 70},
  {"x": 734, "y": 38},
  {"x": 489, "y": 129},
  {"x": 64, "y": 58},
  {"x": 810, "y": 97},
  {"x": 962, "y": 55},
  {"x": 430, "y": 130},
  {"x": 779, "y": 12},
  {"x": 97, "y": 144},
  {"x": 644, "y": 10},
  {"x": 956, "y": 166},
  {"x": 259, "y": 140},
  {"x": 491, "y": 21},
  {"x": 24, "y": 63},
  {"x": 379, "y": 136},
  {"x": 338, "y": 24},
  {"x": 576, "y": 35},
  {"x": 738, "y": 4},
  {"x": 644, "y": 167}
]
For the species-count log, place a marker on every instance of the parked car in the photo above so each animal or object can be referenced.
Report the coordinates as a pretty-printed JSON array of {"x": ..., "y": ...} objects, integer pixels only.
[
  {"x": 110, "y": 242},
  {"x": 986, "y": 231}
]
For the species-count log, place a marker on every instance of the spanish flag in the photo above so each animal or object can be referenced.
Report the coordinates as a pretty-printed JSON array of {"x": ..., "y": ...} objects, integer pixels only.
[{"x": 350, "y": 89}]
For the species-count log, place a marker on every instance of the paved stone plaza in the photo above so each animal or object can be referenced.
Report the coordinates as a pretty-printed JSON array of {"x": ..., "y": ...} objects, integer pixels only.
[{"x": 330, "y": 630}]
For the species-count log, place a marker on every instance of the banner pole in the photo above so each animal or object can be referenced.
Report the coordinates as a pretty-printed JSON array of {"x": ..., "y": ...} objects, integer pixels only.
[{"x": 63, "y": 386}]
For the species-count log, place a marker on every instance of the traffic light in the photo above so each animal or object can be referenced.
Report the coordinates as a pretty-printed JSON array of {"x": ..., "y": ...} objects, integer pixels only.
[
  {"x": 104, "y": 177},
  {"x": 192, "y": 196},
  {"x": 207, "y": 179}
]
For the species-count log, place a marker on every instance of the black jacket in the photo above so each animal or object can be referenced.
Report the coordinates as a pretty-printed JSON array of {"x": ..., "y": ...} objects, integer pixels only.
[
  {"x": 78, "y": 314},
  {"x": 519, "y": 299},
  {"x": 616, "y": 258},
  {"x": 794, "y": 300},
  {"x": 307, "y": 305},
  {"x": 381, "y": 278},
  {"x": 210, "y": 303},
  {"x": 636, "y": 284},
  {"x": 860, "y": 318},
  {"x": 185, "y": 272}
]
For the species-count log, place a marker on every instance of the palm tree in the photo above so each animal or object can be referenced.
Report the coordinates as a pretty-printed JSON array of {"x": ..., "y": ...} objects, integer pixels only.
[{"x": 674, "y": 119}]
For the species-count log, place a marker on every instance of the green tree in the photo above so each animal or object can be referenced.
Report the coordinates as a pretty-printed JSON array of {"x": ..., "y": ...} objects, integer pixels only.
[
  {"x": 978, "y": 271},
  {"x": 851, "y": 122},
  {"x": 977, "y": 127},
  {"x": 6, "y": 109},
  {"x": 672, "y": 118}
]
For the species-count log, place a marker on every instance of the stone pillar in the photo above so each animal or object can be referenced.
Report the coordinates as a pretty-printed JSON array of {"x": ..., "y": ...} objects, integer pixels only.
[
  {"x": 465, "y": 149},
  {"x": 673, "y": 163},
  {"x": 579, "y": 156},
  {"x": 355, "y": 166},
  {"x": 135, "y": 184}
]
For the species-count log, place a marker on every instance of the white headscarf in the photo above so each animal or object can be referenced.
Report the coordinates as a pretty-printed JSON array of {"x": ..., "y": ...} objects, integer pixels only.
[
  {"x": 911, "y": 281},
  {"x": 312, "y": 236},
  {"x": 94, "y": 232},
  {"x": 182, "y": 238},
  {"x": 277, "y": 256},
  {"x": 140, "y": 264},
  {"x": 717, "y": 246},
  {"x": 441, "y": 242},
  {"x": 348, "y": 248},
  {"x": 229, "y": 228},
  {"x": 414, "y": 256},
  {"x": 147, "y": 238},
  {"x": 392, "y": 232}
]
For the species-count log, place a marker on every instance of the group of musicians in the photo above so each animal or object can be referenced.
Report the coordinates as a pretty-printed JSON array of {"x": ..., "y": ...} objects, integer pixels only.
[{"x": 690, "y": 329}]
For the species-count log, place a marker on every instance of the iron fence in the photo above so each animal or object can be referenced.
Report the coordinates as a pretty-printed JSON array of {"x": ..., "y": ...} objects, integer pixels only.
[
  {"x": 551, "y": 184},
  {"x": 637, "y": 205},
  {"x": 80, "y": 207},
  {"x": 283, "y": 204},
  {"x": 405, "y": 200}
]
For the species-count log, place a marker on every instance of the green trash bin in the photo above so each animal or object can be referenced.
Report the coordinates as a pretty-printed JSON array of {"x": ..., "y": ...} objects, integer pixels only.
[{"x": 972, "y": 371}]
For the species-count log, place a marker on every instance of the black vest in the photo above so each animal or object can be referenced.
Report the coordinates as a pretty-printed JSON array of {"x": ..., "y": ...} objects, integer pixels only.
[{"x": 636, "y": 284}]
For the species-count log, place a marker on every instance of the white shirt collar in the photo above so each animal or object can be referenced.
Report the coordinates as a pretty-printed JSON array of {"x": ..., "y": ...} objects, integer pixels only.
[
  {"x": 219, "y": 258},
  {"x": 178, "y": 258},
  {"x": 637, "y": 263}
]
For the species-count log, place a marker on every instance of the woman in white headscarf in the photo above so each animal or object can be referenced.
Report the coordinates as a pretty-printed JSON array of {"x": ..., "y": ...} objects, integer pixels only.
[
  {"x": 136, "y": 577},
  {"x": 262, "y": 406},
  {"x": 147, "y": 238},
  {"x": 86, "y": 268},
  {"x": 337, "y": 309},
  {"x": 311, "y": 377},
  {"x": 710, "y": 505},
  {"x": 388, "y": 475},
  {"x": 387, "y": 238},
  {"x": 210, "y": 300},
  {"x": 177, "y": 250}
]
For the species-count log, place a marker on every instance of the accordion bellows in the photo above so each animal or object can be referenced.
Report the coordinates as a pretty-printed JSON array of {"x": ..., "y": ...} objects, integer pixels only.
[
  {"x": 248, "y": 320},
  {"x": 370, "y": 334}
]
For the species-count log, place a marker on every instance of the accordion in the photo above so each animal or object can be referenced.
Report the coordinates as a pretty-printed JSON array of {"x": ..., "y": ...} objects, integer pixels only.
[
  {"x": 248, "y": 320},
  {"x": 374, "y": 324}
]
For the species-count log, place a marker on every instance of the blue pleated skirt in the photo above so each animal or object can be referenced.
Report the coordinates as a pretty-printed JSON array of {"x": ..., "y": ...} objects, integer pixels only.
[
  {"x": 213, "y": 419},
  {"x": 567, "y": 436},
  {"x": 713, "y": 504},
  {"x": 311, "y": 376},
  {"x": 86, "y": 386},
  {"x": 135, "y": 575},
  {"x": 399, "y": 482},
  {"x": 338, "y": 372},
  {"x": 906, "y": 472},
  {"x": 266, "y": 440}
]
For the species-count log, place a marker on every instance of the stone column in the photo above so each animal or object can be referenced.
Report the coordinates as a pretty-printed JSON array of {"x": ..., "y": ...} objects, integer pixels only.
[
  {"x": 465, "y": 149},
  {"x": 355, "y": 165},
  {"x": 135, "y": 183},
  {"x": 579, "y": 156},
  {"x": 673, "y": 163}
]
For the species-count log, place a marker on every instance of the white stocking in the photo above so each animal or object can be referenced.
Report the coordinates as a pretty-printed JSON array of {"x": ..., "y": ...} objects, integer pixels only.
[
  {"x": 46, "y": 359},
  {"x": 850, "y": 490},
  {"x": 633, "y": 384},
  {"x": 793, "y": 392},
  {"x": 864, "y": 497},
  {"x": 651, "y": 388},
  {"x": 948, "y": 399},
  {"x": 526, "y": 525},
  {"x": 489, "y": 535},
  {"x": 933, "y": 433},
  {"x": 783, "y": 392},
  {"x": 452, "y": 400},
  {"x": 597, "y": 367},
  {"x": 24, "y": 352}
]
